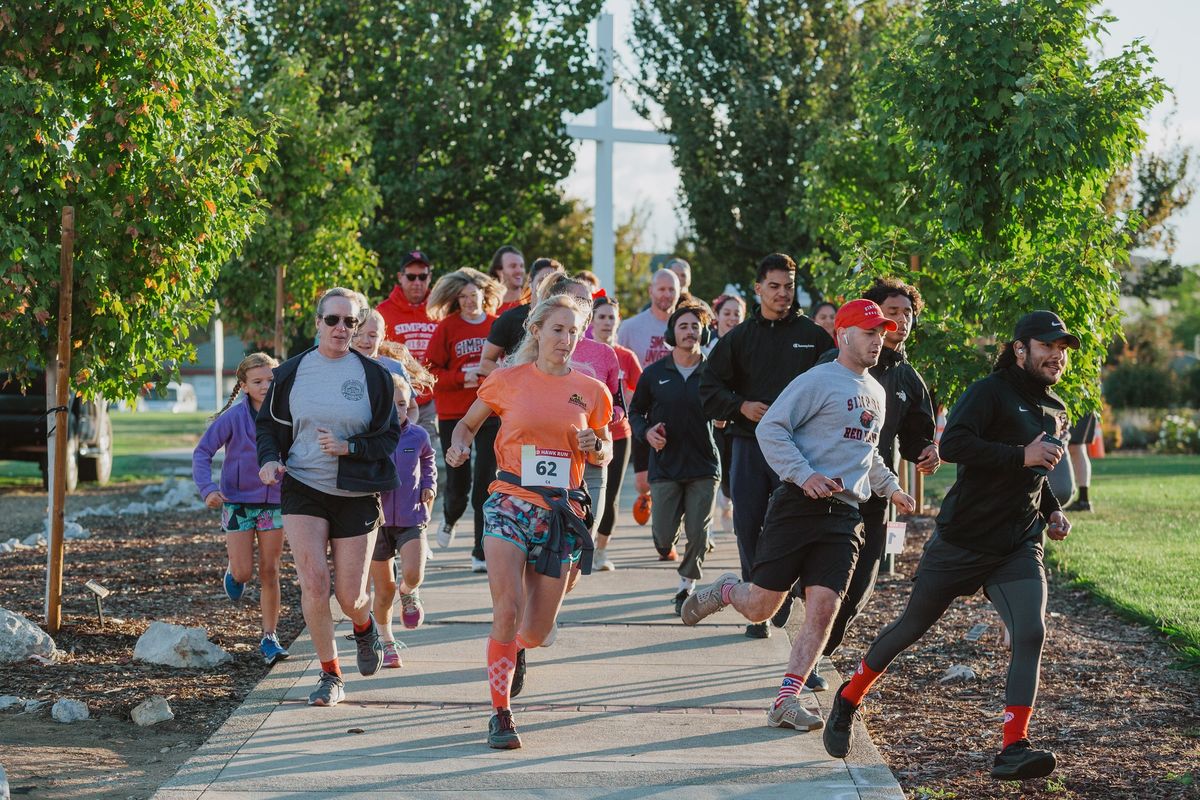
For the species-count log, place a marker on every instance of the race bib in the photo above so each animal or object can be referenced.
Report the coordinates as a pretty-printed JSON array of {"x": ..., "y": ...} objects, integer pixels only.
[
  {"x": 541, "y": 466},
  {"x": 895, "y": 538}
]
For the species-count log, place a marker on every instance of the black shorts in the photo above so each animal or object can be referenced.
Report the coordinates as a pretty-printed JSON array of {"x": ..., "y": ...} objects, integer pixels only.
[
  {"x": 347, "y": 516},
  {"x": 392, "y": 538},
  {"x": 1083, "y": 431},
  {"x": 948, "y": 570},
  {"x": 813, "y": 541}
]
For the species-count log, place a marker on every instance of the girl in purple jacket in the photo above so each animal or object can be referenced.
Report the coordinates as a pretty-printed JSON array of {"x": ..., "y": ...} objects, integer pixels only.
[
  {"x": 405, "y": 513},
  {"x": 248, "y": 507}
]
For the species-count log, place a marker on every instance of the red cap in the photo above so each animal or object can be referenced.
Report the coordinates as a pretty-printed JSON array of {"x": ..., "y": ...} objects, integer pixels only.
[{"x": 862, "y": 314}]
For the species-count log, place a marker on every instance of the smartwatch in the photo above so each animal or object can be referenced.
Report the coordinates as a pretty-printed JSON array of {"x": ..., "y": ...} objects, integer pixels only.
[
  {"x": 599, "y": 443},
  {"x": 351, "y": 447}
]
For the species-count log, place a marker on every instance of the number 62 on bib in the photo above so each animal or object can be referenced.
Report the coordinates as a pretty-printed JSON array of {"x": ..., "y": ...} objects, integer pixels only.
[{"x": 542, "y": 466}]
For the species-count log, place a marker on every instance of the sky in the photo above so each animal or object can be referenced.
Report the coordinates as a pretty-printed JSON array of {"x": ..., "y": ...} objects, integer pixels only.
[{"x": 644, "y": 175}]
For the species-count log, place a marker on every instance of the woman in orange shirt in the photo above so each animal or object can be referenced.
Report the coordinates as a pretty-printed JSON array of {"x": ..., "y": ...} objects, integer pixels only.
[{"x": 553, "y": 420}]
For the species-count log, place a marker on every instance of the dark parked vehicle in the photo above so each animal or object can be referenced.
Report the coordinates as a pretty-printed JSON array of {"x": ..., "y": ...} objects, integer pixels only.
[{"x": 23, "y": 432}]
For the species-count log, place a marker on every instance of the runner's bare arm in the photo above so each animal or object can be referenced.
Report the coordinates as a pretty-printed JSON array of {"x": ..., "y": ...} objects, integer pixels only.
[
  {"x": 490, "y": 358},
  {"x": 464, "y": 433}
]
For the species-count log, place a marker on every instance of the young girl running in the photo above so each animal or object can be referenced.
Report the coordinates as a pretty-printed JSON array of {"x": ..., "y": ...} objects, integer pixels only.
[
  {"x": 248, "y": 508},
  {"x": 406, "y": 511},
  {"x": 553, "y": 420}
]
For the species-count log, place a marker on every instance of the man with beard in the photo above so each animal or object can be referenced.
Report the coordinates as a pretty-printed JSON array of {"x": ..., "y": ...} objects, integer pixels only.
[
  {"x": 820, "y": 437},
  {"x": 1005, "y": 435}
]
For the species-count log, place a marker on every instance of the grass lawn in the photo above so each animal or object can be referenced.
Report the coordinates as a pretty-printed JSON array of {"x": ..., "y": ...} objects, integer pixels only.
[
  {"x": 135, "y": 435},
  {"x": 1140, "y": 549}
]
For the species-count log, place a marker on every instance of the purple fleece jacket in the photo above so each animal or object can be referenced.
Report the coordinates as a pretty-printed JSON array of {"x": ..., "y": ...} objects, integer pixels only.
[
  {"x": 235, "y": 431},
  {"x": 402, "y": 507}
]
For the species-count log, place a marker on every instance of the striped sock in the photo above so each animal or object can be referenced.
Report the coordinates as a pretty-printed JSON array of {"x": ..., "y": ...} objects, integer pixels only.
[
  {"x": 1016, "y": 723},
  {"x": 789, "y": 687},
  {"x": 860, "y": 683}
]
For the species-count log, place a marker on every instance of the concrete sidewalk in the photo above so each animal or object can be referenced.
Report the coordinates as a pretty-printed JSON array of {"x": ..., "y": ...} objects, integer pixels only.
[{"x": 627, "y": 703}]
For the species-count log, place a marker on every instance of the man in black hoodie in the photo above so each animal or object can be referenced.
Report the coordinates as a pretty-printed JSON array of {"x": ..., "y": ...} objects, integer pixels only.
[
  {"x": 1005, "y": 435},
  {"x": 746, "y": 371}
]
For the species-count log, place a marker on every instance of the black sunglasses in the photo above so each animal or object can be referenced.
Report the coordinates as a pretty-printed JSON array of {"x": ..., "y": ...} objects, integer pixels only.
[
  {"x": 422, "y": 276},
  {"x": 333, "y": 319}
]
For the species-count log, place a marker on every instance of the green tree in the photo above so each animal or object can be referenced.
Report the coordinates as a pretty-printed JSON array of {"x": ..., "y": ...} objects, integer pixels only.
[
  {"x": 1007, "y": 133},
  {"x": 747, "y": 90},
  {"x": 319, "y": 195},
  {"x": 465, "y": 103},
  {"x": 565, "y": 237},
  {"x": 121, "y": 111}
]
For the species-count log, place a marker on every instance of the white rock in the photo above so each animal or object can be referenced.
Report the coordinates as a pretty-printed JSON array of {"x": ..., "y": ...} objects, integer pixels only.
[
  {"x": 33, "y": 705},
  {"x": 69, "y": 711},
  {"x": 20, "y": 639},
  {"x": 176, "y": 646},
  {"x": 73, "y": 530},
  {"x": 957, "y": 672},
  {"x": 10, "y": 701},
  {"x": 152, "y": 711},
  {"x": 34, "y": 539}
]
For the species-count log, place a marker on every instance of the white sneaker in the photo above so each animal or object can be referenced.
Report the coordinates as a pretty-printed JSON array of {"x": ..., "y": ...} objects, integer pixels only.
[
  {"x": 551, "y": 636},
  {"x": 601, "y": 562},
  {"x": 478, "y": 565},
  {"x": 445, "y": 535}
]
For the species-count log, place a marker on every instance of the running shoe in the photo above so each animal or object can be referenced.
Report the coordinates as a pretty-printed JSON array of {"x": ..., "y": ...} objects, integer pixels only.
[
  {"x": 329, "y": 692},
  {"x": 502, "y": 731},
  {"x": 370, "y": 649},
  {"x": 233, "y": 589},
  {"x": 412, "y": 613},
  {"x": 1078, "y": 505},
  {"x": 838, "y": 736},
  {"x": 272, "y": 650},
  {"x": 445, "y": 535},
  {"x": 641, "y": 509},
  {"x": 478, "y": 565},
  {"x": 602, "y": 563},
  {"x": 784, "y": 613},
  {"x": 391, "y": 656},
  {"x": 791, "y": 713},
  {"x": 706, "y": 601},
  {"x": 683, "y": 595},
  {"x": 670, "y": 555},
  {"x": 551, "y": 636},
  {"x": 1019, "y": 762},
  {"x": 758, "y": 630},
  {"x": 815, "y": 683},
  {"x": 518, "y": 682}
]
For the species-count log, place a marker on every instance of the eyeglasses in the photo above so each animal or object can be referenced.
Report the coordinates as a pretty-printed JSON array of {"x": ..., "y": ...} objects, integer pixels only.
[
  {"x": 420, "y": 276},
  {"x": 333, "y": 319}
]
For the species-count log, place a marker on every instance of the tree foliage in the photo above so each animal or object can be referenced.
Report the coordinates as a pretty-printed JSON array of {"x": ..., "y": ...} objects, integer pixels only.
[
  {"x": 1003, "y": 134},
  {"x": 465, "y": 103},
  {"x": 747, "y": 90},
  {"x": 319, "y": 196},
  {"x": 121, "y": 111}
]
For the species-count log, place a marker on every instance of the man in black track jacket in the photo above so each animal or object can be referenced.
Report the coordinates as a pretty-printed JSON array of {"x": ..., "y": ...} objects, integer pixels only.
[
  {"x": 684, "y": 466},
  {"x": 746, "y": 371}
]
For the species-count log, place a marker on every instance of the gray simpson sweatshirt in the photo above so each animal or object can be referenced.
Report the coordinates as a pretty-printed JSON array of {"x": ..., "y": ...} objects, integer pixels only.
[{"x": 828, "y": 421}]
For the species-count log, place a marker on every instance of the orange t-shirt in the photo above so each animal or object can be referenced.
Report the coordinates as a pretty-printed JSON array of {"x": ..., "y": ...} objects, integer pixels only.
[{"x": 538, "y": 409}]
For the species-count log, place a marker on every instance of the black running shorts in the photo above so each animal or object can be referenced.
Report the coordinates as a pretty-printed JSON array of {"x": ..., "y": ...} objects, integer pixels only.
[
  {"x": 814, "y": 541},
  {"x": 347, "y": 516},
  {"x": 947, "y": 570}
]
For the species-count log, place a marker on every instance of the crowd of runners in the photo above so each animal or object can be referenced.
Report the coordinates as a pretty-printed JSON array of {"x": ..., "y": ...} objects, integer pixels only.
[{"x": 539, "y": 391}]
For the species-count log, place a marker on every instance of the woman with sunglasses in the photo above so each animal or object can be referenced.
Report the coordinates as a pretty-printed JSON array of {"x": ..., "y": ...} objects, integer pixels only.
[
  {"x": 327, "y": 428},
  {"x": 463, "y": 303}
]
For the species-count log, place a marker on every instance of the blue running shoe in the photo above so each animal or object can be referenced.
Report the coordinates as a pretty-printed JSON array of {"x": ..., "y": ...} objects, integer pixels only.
[
  {"x": 272, "y": 650},
  {"x": 233, "y": 589}
]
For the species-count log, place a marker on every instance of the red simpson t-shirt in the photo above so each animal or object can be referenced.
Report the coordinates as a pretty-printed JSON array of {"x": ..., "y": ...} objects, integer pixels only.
[{"x": 455, "y": 344}]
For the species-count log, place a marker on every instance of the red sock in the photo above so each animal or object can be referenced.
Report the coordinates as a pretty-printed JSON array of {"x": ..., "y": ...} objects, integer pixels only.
[
  {"x": 789, "y": 687},
  {"x": 860, "y": 683},
  {"x": 501, "y": 664},
  {"x": 522, "y": 644},
  {"x": 1016, "y": 723},
  {"x": 366, "y": 626},
  {"x": 727, "y": 593},
  {"x": 332, "y": 667}
]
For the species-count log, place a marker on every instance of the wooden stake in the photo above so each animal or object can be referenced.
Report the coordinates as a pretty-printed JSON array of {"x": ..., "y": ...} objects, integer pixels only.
[
  {"x": 58, "y": 474},
  {"x": 280, "y": 352}
]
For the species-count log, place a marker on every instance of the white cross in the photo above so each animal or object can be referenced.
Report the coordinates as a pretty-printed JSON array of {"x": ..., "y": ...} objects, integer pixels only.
[{"x": 604, "y": 242}]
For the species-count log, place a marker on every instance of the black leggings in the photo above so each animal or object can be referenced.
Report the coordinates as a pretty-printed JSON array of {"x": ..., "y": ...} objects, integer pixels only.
[
  {"x": 612, "y": 492},
  {"x": 462, "y": 481},
  {"x": 1022, "y": 606}
]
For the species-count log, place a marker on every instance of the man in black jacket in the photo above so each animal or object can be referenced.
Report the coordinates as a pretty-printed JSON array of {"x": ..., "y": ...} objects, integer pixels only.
[
  {"x": 745, "y": 372},
  {"x": 1005, "y": 435},
  {"x": 910, "y": 416},
  {"x": 684, "y": 466}
]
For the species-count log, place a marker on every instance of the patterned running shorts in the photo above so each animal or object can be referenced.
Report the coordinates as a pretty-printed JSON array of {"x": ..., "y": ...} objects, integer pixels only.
[
  {"x": 524, "y": 524},
  {"x": 241, "y": 517}
]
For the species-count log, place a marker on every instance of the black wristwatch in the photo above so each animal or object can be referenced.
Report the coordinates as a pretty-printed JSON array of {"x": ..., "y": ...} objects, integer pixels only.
[{"x": 599, "y": 444}]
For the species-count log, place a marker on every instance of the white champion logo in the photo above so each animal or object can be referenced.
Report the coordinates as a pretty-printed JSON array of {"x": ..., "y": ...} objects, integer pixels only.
[{"x": 799, "y": 346}]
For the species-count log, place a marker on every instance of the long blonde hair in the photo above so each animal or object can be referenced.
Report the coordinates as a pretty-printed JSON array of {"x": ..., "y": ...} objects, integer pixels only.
[
  {"x": 252, "y": 361},
  {"x": 419, "y": 378},
  {"x": 443, "y": 298},
  {"x": 527, "y": 351}
]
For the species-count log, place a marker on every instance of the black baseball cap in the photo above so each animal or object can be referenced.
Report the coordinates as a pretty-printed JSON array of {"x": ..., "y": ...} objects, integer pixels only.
[
  {"x": 1045, "y": 326},
  {"x": 415, "y": 257}
]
